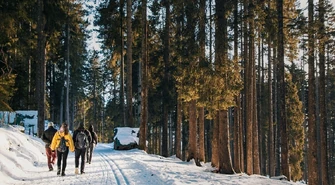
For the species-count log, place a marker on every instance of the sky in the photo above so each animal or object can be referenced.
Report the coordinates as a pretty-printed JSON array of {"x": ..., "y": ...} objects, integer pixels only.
[{"x": 23, "y": 161}]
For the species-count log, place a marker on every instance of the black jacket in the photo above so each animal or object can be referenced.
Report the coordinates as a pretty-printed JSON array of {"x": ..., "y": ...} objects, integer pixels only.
[
  {"x": 93, "y": 134},
  {"x": 48, "y": 135},
  {"x": 88, "y": 134}
]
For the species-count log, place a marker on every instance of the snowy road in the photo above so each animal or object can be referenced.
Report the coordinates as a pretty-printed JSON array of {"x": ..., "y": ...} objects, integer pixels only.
[
  {"x": 23, "y": 161},
  {"x": 108, "y": 167}
]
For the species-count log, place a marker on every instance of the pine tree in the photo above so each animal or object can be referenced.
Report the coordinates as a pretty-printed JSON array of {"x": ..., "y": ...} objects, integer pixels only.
[
  {"x": 295, "y": 129},
  {"x": 40, "y": 53},
  {"x": 166, "y": 78},
  {"x": 130, "y": 117},
  {"x": 322, "y": 96},
  {"x": 281, "y": 93},
  {"x": 7, "y": 89},
  {"x": 312, "y": 136},
  {"x": 144, "y": 82}
]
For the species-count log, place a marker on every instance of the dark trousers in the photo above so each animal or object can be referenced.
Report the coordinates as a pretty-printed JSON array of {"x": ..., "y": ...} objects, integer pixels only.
[
  {"x": 80, "y": 153},
  {"x": 51, "y": 156},
  {"x": 62, "y": 156},
  {"x": 89, "y": 151}
]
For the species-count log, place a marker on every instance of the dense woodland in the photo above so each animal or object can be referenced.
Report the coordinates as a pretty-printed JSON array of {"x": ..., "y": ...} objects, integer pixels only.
[{"x": 247, "y": 85}]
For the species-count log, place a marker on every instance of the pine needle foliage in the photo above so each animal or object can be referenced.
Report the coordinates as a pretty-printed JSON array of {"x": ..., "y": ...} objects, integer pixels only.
[
  {"x": 7, "y": 89},
  {"x": 295, "y": 120}
]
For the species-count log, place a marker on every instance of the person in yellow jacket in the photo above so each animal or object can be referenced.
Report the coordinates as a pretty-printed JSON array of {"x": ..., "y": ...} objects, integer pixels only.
[{"x": 62, "y": 152}]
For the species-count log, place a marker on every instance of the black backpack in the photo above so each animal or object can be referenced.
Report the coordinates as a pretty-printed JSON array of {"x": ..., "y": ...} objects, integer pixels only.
[
  {"x": 81, "y": 140},
  {"x": 62, "y": 145}
]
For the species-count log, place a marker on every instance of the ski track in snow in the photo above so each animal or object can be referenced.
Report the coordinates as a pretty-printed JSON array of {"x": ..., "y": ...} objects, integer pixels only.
[
  {"x": 117, "y": 173},
  {"x": 107, "y": 168}
]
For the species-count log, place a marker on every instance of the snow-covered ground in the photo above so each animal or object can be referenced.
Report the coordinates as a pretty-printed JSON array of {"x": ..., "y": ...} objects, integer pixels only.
[{"x": 23, "y": 161}]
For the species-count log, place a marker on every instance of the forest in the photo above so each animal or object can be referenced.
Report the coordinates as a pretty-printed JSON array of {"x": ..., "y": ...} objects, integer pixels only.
[{"x": 246, "y": 85}]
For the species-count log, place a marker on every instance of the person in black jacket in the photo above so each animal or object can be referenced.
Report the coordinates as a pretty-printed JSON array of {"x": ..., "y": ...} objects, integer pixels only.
[
  {"x": 81, "y": 139},
  {"x": 47, "y": 138},
  {"x": 94, "y": 141}
]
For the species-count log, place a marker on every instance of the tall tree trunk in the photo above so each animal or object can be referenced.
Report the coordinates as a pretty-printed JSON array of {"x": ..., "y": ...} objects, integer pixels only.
[
  {"x": 130, "y": 118},
  {"x": 312, "y": 136},
  {"x": 322, "y": 103},
  {"x": 52, "y": 94},
  {"x": 221, "y": 59},
  {"x": 262, "y": 133},
  {"x": 122, "y": 103},
  {"x": 275, "y": 112},
  {"x": 67, "y": 107},
  {"x": 61, "y": 109},
  {"x": 225, "y": 165},
  {"x": 252, "y": 90},
  {"x": 281, "y": 92},
  {"x": 258, "y": 91},
  {"x": 192, "y": 141},
  {"x": 144, "y": 82},
  {"x": 201, "y": 136},
  {"x": 164, "y": 136},
  {"x": 215, "y": 141},
  {"x": 271, "y": 144},
  {"x": 178, "y": 130},
  {"x": 184, "y": 141},
  {"x": 248, "y": 100},
  {"x": 202, "y": 59},
  {"x": 237, "y": 111},
  {"x": 41, "y": 67},
  {"x": 166, "y": 98}
]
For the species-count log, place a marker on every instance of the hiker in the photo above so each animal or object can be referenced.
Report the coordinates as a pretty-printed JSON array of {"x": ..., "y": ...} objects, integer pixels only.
[
  {"x": 92, "y": 144},
  {"x": 63, "y": 143},
  {"x": 47, "y": 136},
  {"x": 81, "y": 138}
]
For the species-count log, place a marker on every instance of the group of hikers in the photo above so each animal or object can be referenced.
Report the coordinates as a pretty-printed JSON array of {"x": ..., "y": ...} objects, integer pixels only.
[{"x": 58, "y": 143}]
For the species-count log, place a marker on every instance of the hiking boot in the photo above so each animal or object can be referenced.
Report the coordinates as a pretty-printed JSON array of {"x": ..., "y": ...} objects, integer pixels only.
[
  {"x": 58, "y": 172},
  {"x": 76, "y": 171}
]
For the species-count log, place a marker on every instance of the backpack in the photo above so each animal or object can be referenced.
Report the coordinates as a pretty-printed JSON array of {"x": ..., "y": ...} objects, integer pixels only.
[
  {"x": 81, "y": 140},
  {"x": 62, "y": 145}
]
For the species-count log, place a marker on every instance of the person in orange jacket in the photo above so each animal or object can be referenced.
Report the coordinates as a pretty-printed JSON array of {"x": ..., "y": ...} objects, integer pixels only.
[{"x": 62, "y": 152}]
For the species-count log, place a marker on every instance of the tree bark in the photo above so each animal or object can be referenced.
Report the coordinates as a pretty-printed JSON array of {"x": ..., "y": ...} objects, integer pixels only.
[
  {"x": 122, "y": 103},
  {"x": 144, "y": 82},
  {"x": 312, "y": 136},
  {"x": 281, "y": 93},
  {"x": 130, "y": 118},
  {"x": 225, "y": 165},
  {"x": 41, "y": 67},
  {"x": 252, "y": 91},
  {"x": 322, "y": 100},
  {"x": 178, "y": 130},
  {"x": 166, "y": 58},
  {"x": 192, "y": 141},
  {"x": 237, "y": 111},
  {"x": 248, "y": 99},
  {"x": 215, "y": 142},
  {"x": 201, "y": 135},
  {"x": 271, "y": 144},
  {"x": 202, "y": 59}
]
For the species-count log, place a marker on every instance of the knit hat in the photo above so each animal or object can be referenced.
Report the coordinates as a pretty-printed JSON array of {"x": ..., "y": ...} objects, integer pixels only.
[{"x": 50, "y": 124}]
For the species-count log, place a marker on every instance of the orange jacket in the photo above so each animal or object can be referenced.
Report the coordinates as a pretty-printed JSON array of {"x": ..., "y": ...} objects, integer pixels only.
[{"x": 56, "y": 140}]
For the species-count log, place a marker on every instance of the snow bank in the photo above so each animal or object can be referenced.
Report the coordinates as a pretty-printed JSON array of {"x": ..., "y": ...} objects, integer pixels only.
[{"x": 19, "y": 154}]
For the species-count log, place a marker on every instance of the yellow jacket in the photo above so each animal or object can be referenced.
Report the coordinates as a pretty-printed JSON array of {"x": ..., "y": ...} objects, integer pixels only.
[{"x": 56, "y": 140}]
